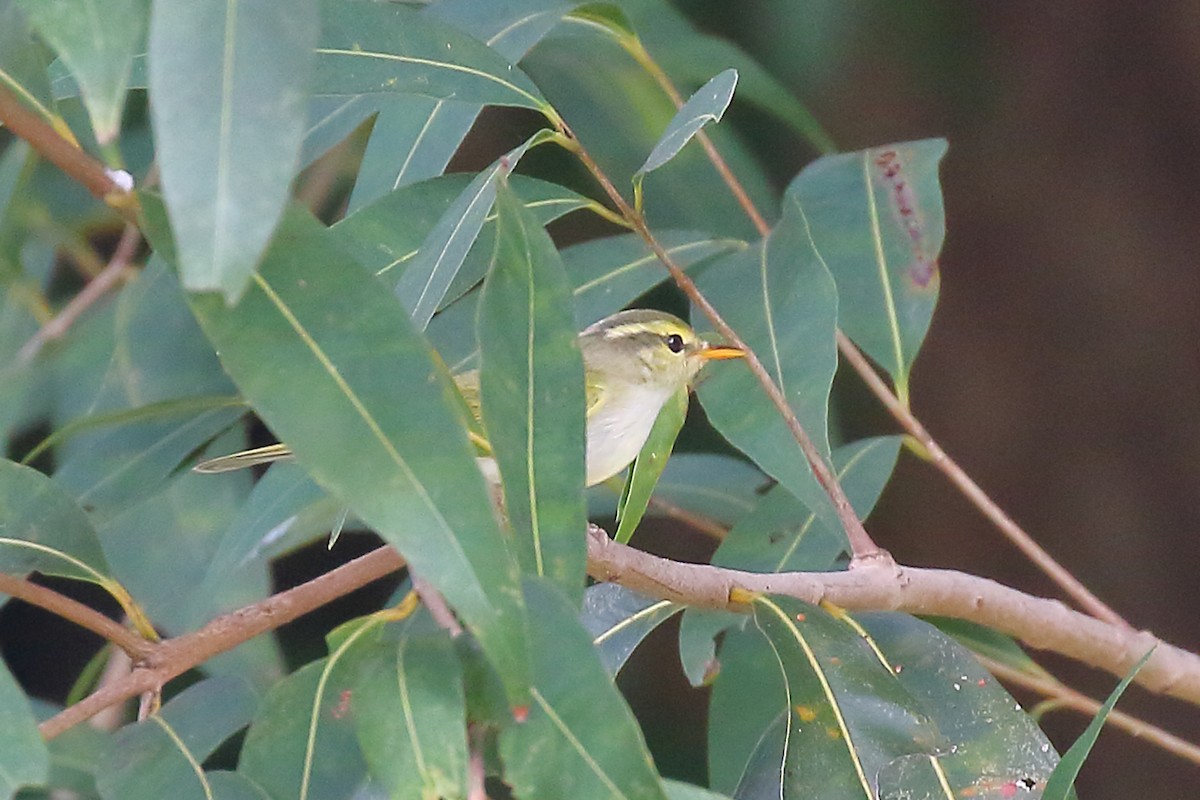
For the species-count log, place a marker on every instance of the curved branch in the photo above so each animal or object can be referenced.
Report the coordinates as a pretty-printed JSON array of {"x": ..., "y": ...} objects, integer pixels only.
[
  {"x": 1038, "y": 622},
  {"x": 73, "y": 610},
  {"x": 172, "y": 657}
]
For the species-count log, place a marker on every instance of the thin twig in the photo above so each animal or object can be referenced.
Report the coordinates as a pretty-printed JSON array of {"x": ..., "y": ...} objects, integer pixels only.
[
  {"x": 108, "y": 278},
  {"x": 1077, "y": 701},
  {"x": 83, "y": 616}
]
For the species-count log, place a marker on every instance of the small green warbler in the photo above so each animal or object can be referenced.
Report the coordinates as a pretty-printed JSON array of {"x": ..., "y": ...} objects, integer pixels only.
[{"x": 633, "y": 362}]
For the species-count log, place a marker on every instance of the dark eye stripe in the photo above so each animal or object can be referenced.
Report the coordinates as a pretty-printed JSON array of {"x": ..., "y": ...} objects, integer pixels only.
[{"x": 674, "y": 342}]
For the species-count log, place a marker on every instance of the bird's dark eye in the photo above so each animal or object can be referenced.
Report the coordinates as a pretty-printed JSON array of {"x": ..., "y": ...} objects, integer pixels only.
[{"x": 674, "y": 342}]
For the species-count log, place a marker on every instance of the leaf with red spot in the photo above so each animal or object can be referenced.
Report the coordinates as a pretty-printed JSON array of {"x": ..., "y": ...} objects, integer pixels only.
[{"x": 876, "y": 218}]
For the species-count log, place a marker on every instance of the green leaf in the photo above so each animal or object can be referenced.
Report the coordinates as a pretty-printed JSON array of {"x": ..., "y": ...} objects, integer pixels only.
[
  {"x": 234, "y": 786},
  {"x": 142, "y": 358},
  {"x": 1059, "y": 786},
  {"x": 609, "y": 273},
  {"x": 285, "y": 509},
  {"x": 685, "y": 791},
  {"x": 994, "y": 749},
  {"x": 781, "y": 300},
  {"x": 169, "y": 582},
  {"x": 161, "y": 755},
  {"x": 386, "y": 236},
  {"x": 707, "y": 105},
  {"x": 302, "y": 743},
  {"x": 330, "y": 119},
  {"x": 44, "y": 530},
  {"x": 989, "y": 643},
  {"x": 423, "y": 285},
  {"x": 413, "y": 139},
  {"x": 845, "y": 715},
  {"x": 24, "y": 759},
  {"x": 319, "y": 338},
  {"x": 23, "y": 63},
  {"x": 227, "y": 83},
  {"x": 619, "y": 619},
  {"x": 782, "y": 535},
  {"x": 580, "y": 739},
  {"x": 97, "y": 40},
  {"x": 532, "y": 394},
  {"x": 409, "y": 710},
  {"x": 649, "y": 464},
  {"x": 876, "y": 218},
  {"x": 378, "y": 47},
  {"x": 745, "y": 700}
]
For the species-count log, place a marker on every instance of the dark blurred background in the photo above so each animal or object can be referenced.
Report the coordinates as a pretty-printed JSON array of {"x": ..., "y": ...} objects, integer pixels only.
[{"x": 1062, "y": 369}]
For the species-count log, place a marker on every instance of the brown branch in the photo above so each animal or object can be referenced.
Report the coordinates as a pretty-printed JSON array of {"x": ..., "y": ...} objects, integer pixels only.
[
  {"x": 1038, "y": 622},
  {"x": 83, "y": 616},
  {"x": 173, "y": 657},
  {"x": 64, "y": 154},
  {"x": 1077, "y": 701},
  {"x": 860, "y": 542},
  {"x": 108, "y": 278}
]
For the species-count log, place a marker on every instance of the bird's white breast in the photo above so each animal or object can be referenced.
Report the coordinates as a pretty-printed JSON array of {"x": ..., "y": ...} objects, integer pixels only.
[{"x": 618, "y": 428}]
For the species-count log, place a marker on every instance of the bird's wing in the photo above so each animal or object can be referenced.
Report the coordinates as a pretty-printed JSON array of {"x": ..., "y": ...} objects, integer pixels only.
[{"x": 595, "y": 395}]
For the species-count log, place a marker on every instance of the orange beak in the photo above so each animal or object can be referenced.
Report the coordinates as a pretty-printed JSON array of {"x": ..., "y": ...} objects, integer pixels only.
[{"x": 721, "y": 352}]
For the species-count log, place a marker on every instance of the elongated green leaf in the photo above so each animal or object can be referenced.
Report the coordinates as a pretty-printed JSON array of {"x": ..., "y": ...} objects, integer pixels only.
[
  {"x": 42, "y": 528},
  {"x": 97, "y": 41},
  {"x": 161, "y": 755},
  {"x": 619, "y": 619},
  {"x": 301, "y": 743},
  {"x": 411, "y": 718},
  {"x": 649, "y": 464},
  {"x": 234, "y": 786},
  {"x": 580, "y": 740},
  {"x": 317, "y": 339},
  {"x": 143, "y": 356},
  {"x": 782, "y": 535},
  {"x": 846, "y": 716},
  {"x": 384, "y": 47},
  {"x": 876, "y": 218},
  {"x": 24, "y": 759},
  {"x": 413, "y": 139},
  {"x": 994, "y": 749},
  {"x": 781, "y": 300},
  {"x": 228, "y": 151},
  {"x": 285, "y": 509},
  {"x": 331, "y": 118},
  {"x": 423, "y": 285},
  {"x": 386, "y": 236},
  {"x": 746, "y": 699},
  {"x": 609, "y": 273},
  {"x": 1059, "y": 787},
  {"x": 685, "y": 791},
  {"x": 707, "y": 105},
  {"x": 532, "y": 392}
]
